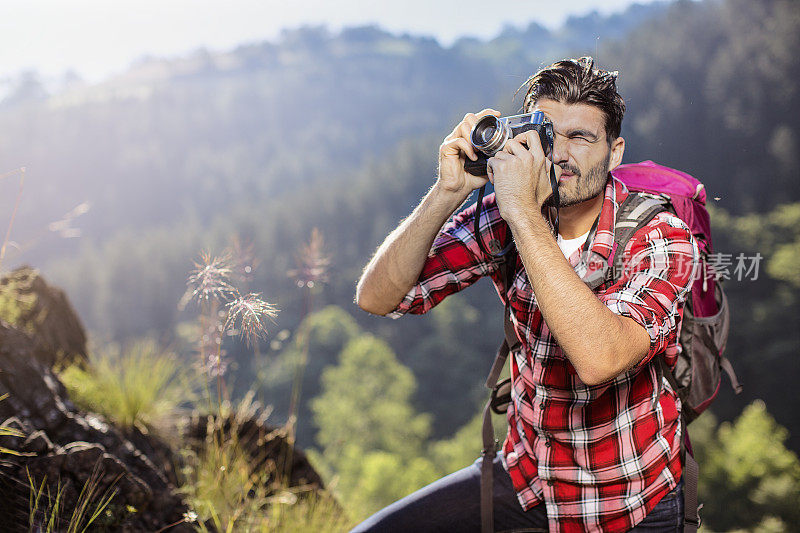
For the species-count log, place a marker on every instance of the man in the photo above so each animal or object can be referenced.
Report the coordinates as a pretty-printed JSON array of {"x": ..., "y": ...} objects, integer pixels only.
[{"x": 590, "y": 445}]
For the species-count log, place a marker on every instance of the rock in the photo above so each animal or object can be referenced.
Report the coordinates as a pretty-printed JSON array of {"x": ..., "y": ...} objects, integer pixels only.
[
  {"x": 31, "y": 305},
  {"x": 62, "y": 446},
  {"x": 65, "y": 449}
]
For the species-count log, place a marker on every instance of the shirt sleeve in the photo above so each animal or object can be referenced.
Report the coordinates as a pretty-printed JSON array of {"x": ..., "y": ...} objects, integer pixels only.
[
  {"x": 456, "y": 260},
  {"x": 659, "y": 268}
]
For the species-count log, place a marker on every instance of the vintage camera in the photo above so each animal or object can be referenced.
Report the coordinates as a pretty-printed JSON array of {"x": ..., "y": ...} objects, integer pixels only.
[{"x": 490, "y": 134}]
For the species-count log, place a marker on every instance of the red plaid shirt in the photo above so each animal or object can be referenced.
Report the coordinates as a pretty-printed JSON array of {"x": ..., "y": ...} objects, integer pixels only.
[{"x": 600, "y": 457}]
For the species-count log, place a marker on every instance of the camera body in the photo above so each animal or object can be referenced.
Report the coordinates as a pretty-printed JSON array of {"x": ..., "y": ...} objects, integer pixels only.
[{"x": 490, "y": 134}]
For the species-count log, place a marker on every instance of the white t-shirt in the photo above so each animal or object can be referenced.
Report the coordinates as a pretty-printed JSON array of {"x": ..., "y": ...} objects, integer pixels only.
[{"x": 568, "y": 246}]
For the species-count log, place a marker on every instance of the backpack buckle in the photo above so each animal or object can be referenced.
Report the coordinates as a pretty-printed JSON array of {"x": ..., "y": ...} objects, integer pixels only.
[{"x": 501, "y": 397}]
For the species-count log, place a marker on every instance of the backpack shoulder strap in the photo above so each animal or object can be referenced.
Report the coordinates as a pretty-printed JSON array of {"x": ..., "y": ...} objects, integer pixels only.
[
  {"x": 634, "y": 213},
  {"x": 510, "y": 341}
]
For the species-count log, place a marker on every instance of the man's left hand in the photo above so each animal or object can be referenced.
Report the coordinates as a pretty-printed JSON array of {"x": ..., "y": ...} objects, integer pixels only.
[{"x": 520, "y": 175}]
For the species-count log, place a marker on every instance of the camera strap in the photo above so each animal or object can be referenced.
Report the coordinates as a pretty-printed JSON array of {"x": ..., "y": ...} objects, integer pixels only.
[
  {"x": 497, "y": 401},
  {"x": 552, "y": 204}
]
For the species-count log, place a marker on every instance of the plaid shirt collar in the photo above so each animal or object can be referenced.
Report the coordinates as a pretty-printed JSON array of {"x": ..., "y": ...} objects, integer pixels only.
[{"x": 590, "y": 260}]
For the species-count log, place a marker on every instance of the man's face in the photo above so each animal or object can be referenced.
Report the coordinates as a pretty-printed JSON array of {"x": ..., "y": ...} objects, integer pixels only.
[{"x": 580, "y": 148}]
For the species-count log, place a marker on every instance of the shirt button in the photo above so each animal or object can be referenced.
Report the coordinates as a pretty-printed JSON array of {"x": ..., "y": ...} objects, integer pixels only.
[
  {"x": 541, "y": 405},
  {"x": 549, "y": 482},
  {"x": 547, "y": 443}
]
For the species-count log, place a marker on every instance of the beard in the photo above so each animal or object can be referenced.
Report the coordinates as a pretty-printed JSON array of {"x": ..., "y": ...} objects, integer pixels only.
[{"x": 584, "y": 187}]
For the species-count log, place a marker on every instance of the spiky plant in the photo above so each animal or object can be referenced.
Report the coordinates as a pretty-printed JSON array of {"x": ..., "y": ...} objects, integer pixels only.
[{"x": 311, "y": 271}]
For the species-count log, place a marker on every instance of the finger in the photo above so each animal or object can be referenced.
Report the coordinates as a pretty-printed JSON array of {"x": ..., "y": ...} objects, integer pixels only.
[
  {"x": 459, "y": 129},
  {"x": 534, "y": 144},
  {"x": 545, "y": 188},
  {"x": 490, "y": 173},
  {"x": 457, "y": 146},
  {"x": 513, "y": 146},
  {"x": 470, "y": 119},
  {"x": 488, "y": 111},
  {"x": 496, "y": 163}
]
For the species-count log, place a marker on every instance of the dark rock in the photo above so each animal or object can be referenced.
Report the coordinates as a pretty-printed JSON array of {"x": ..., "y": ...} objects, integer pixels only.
[
  {"x": 61, "y": 446},
  {"x": 28, "y": 303}
]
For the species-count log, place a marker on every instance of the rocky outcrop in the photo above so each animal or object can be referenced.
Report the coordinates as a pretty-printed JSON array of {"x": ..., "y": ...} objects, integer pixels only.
[
  {"x": 65, "y": 448},
  {"x": 43, "y": 311}
]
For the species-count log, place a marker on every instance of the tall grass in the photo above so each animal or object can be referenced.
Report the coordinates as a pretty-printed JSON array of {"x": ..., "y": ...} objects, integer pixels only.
[
  {"x": 224, "y": 312},
  {"x": 221, "y": 486},
  {"x": 142, "y": 386}
]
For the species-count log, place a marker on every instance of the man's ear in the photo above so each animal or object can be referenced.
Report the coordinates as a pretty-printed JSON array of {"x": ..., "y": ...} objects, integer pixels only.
[{"x": 617, "y": 149}]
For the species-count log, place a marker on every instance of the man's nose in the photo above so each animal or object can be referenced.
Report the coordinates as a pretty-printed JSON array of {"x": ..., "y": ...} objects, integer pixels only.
[{"x": 560, "y": 154}]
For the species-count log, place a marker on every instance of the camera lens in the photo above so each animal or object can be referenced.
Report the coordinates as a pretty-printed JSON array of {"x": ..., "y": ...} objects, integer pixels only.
[{"x": 488, "y": 135}]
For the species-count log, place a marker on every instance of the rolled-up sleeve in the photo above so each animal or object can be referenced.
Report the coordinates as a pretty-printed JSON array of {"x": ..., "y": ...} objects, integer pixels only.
[
  {"x": 455, "y": 260},
  {"x": 660, "y": 266}
]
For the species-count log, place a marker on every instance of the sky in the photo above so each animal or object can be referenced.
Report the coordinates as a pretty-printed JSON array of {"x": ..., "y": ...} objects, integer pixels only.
[{"x": 98, "y": 38}]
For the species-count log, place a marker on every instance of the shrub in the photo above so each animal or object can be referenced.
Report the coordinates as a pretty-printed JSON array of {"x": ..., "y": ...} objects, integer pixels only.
[{"x": 140, "y": 386}]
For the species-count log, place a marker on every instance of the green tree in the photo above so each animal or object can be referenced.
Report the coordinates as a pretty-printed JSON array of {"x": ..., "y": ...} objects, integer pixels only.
[
  {"x": 370, "y": 435},
  {"x": 368, "y": 396},
  {"x": 748, "y": 478}
]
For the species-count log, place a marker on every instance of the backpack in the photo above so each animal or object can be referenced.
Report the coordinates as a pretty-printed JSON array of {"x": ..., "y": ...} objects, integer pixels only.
[
  {"x": 697, "y": 375},
  {"x": 704, "y": 332}
]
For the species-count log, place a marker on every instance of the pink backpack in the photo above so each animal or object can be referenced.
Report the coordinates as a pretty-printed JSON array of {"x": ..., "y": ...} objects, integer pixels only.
[{"x": 698, "y": 371}]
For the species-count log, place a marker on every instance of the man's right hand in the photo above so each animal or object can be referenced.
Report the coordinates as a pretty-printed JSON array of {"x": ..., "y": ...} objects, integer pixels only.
[{"x": 454, "y": 152}]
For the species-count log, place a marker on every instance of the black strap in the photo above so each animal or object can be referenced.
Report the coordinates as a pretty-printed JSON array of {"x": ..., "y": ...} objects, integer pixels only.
[
  {"x": 726, "y": 366},
  {"x": 489, "y": 452},
  {"x": 691, "y": 505}
]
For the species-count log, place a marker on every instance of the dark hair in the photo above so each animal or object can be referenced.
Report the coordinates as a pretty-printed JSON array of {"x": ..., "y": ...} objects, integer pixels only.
[{"x": 577, "y": 81}]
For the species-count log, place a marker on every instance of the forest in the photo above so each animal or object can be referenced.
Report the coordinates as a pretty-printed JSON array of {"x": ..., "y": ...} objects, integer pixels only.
[{"x": 292, "y": 160}]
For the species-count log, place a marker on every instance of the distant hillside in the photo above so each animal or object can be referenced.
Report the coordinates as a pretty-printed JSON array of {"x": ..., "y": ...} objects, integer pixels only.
[{"x": 197, "y": 135}]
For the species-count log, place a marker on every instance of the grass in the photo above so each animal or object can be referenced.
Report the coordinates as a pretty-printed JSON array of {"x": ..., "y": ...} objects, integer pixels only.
[
  {"x": 46, "y": 508},
  {"x": 142, "y": 386},
  {"x": 313, "y": 513},
  {"x": 221, "y": 487}
]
